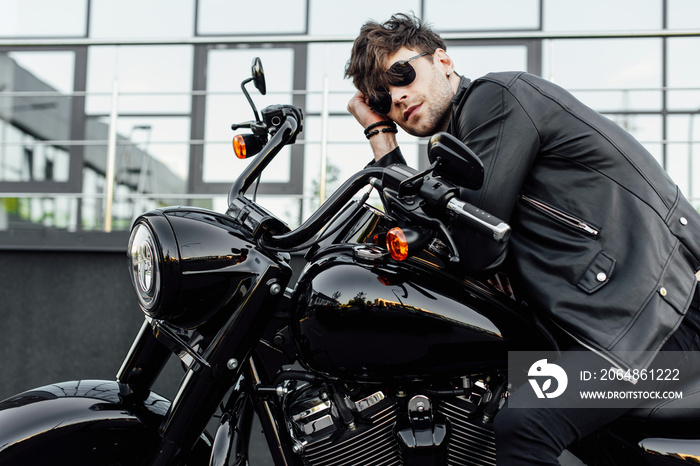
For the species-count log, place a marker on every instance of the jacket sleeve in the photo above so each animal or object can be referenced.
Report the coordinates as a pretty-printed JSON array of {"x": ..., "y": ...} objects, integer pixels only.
[
  {"x": 496, "y": 127},
  {"x": 395, "y": 156}
]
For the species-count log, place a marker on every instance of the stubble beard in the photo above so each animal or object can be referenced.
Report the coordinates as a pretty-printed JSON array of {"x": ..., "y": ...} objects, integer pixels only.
[{"x": 436, "y": 109}]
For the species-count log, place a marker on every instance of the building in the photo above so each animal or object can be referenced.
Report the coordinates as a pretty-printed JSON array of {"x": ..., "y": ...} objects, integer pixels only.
[{"x": 165, "y": 78}]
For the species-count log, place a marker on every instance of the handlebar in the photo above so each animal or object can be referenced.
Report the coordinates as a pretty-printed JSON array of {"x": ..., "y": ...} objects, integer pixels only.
[
  {"x": 476, "y": 218},
  {"x": 328, "y": 209},
  {"x": 286, "y": 133},
  {"x": 481, "y": 221},
  {"x": 436, "y": 193}
]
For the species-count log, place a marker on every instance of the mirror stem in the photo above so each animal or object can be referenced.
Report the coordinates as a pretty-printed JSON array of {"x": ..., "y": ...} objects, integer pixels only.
[{"x": 250, "y": 101}]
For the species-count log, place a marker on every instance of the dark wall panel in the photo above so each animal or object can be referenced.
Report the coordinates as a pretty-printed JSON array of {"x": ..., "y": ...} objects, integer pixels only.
[{"x": 65, "y": 316}]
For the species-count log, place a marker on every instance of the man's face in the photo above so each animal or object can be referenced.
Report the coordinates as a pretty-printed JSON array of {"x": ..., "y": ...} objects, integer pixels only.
[{"x": 422, "y": 107}]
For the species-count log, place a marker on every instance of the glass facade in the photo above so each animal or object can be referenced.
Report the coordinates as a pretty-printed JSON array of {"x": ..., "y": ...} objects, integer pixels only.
[{"x": 163, "y": 79}]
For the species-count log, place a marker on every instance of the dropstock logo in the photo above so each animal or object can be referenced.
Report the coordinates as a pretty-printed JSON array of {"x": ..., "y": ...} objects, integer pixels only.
[{"x": 540, "y": 376}]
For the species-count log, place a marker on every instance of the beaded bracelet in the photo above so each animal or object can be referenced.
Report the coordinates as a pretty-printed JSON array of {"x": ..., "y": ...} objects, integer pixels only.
[
  {"x": 384, "y": 130},
  {"x": 379, "y": 123},
  {"x": 391, "y": 128}
]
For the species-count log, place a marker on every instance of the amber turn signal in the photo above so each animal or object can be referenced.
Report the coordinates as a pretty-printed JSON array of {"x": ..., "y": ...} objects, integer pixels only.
[
  {"x": 239, "y": 147},
  {"x": 396, "y": 244}
]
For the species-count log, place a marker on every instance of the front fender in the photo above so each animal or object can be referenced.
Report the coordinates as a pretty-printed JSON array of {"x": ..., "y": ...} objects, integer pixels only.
[{"x": 79, "y": 423}]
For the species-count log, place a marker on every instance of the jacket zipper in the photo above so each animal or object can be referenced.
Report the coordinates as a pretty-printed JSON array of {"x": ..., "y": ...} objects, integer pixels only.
[{"x": 560, "y": 216}]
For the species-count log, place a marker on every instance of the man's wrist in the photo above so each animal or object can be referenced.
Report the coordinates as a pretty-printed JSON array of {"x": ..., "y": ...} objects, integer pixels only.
[
  {"x": 372, "y": 130},
  {"x": 382, "y": 144}
]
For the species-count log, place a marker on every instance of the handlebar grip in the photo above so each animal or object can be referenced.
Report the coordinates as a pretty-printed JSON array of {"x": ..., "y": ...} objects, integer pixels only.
[{"x": 482, "y": 221}]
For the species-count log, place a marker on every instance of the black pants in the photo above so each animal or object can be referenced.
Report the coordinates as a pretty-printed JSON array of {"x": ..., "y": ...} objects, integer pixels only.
[{"x": 530, "y": 436}]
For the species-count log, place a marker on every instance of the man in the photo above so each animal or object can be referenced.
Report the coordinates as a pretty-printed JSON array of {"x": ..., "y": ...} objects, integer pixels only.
[{"x": 604, "y": 244}]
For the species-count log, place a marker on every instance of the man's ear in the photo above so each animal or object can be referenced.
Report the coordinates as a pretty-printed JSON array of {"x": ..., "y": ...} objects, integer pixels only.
[{"x": 441, "y": 58}]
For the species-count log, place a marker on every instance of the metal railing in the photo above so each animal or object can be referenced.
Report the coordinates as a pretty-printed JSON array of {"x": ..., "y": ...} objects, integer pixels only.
[
  {"x": 109, "y": 197},
  {"x": 310, "y": 39}
]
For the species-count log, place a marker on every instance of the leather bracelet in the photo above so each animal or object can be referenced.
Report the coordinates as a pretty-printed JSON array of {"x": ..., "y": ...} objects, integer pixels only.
[
  {"x": 384, "y": 130},
  {"x": 377, "y": 124}
]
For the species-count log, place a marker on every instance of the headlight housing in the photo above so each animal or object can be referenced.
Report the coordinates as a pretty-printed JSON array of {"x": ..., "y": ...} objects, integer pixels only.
[
  {"x": 188, "y": 264},
  {"x": 145, "y": 266}
]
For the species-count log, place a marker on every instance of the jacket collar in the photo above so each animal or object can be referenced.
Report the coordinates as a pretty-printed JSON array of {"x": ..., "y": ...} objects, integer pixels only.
[{"x": 464, "y": 84}]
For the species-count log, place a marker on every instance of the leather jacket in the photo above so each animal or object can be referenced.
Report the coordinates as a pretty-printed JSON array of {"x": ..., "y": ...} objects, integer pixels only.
[{"x": 603, "y": 242}]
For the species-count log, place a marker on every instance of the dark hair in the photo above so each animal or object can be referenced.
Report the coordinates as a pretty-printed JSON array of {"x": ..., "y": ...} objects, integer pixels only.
[{"x": 377, "y": 41}]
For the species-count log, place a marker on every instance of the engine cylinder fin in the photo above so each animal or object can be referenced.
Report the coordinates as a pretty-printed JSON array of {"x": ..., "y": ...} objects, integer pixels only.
[
  {"x": 385, "y": 424},
  {"x": 461, "y": 454},
  {"x": 374, "y": 442},
  {"x": 355, "y": 453},
  {"x": 467, "y": 433},
  {"x": 376, "y": 446},
  {"x": 471, "y": 442}
]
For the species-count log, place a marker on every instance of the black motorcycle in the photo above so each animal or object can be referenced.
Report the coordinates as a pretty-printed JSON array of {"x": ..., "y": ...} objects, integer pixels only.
[{"x": 381, "y": 353}]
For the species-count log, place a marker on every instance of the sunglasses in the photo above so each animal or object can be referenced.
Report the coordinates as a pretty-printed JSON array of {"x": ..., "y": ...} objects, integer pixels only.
[{"x": 400, "y": 74}]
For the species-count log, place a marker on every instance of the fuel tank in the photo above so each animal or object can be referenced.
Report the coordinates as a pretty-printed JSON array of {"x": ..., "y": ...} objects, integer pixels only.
[{"x": 360, "y": 315}]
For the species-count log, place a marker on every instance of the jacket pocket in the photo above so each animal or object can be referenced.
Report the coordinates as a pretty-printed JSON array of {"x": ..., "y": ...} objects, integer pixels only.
[
  {"x": 560, "y": 216},
  {"x": 554, "y": 245},
  {"x": 597, "y": 274}
]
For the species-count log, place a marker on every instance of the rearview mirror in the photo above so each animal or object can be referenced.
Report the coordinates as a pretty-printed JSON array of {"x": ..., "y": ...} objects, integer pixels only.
[
  {"x": 258, "y": 75},
  {"x": 455, "y": 161}
]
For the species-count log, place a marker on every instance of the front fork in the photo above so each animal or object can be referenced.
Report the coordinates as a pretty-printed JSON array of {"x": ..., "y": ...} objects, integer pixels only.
[
  {"x": 230, "y": 445},
  {"x": 233, "y": 435},
  {"x": 269, "y": 412},
  {"x": 147, "y": 358},
  {"x": 143, "y": 363},
  {"x": 210, "y": 376}
]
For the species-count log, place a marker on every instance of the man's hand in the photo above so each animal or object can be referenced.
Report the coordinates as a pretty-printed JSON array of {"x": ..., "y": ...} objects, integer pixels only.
[
  {"x": 359, "y": 108},
  {"x": 381, "y": 143}
]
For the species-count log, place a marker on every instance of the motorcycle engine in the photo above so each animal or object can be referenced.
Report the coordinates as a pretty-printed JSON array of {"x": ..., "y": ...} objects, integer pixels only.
[{"x": 371, "y": 426}]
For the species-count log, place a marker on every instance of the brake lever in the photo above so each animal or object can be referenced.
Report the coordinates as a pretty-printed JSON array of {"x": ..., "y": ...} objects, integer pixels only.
[{"x": 245, "y": 124}]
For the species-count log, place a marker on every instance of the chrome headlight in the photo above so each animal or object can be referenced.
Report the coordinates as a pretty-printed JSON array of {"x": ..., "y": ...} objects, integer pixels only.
[{"x": 145, "y": 266}]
